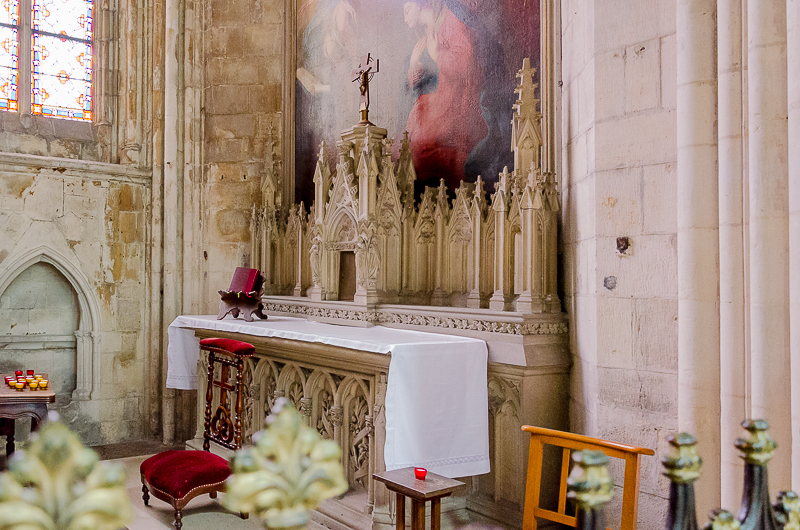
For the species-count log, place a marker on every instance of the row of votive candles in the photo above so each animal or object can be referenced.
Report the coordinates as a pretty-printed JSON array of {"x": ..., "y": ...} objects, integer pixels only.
[{"x": 32, "y": 380}]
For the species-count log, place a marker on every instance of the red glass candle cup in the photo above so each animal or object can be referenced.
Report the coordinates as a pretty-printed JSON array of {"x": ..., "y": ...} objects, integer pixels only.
[
  {"x": 31, "y": 372},
  {"x": 420, "y": 472},
  {"x": 18, "y": 373}
]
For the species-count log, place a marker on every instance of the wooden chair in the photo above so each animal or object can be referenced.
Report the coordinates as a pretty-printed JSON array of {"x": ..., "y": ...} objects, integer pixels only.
[
  {"x": 576, "y": 442},
  {"x": 176, "y": 477}
]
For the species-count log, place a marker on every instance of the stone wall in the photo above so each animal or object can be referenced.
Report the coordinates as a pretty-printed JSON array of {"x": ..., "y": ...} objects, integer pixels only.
[
  {"x": 72, "y": 242},
  {"x": 619, "y": 180},
  {"x": 242, "y": 91}
]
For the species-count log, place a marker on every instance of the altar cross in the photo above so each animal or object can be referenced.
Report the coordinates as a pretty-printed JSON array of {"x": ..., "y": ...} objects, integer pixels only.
[{"x": 364, "y": 74}]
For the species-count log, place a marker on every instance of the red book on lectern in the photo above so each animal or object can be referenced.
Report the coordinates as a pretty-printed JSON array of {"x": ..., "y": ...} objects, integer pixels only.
[{"x": 245, "y": 280}]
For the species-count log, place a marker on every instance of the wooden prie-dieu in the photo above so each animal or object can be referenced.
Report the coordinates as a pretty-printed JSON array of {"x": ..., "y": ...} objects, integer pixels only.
[{"x": 176, "y": 477}]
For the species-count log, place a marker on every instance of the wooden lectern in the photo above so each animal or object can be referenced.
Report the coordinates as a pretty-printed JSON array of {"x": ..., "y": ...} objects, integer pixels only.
[{"x": 243, "y": 296}]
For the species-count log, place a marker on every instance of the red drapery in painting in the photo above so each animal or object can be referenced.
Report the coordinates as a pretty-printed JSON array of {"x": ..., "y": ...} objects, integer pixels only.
[{"x": 445, "y": 125}]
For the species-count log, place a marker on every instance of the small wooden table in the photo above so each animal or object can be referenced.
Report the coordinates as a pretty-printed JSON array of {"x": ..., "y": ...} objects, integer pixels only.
[
  {"x": 14, "y": 404},
  {"x": 433, "y": 488}
]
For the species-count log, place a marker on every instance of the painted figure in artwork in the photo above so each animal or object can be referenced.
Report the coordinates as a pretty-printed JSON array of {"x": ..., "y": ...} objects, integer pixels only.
[
  {"x": 447, "y": 77},
  {"x": 445, "y": 123}
]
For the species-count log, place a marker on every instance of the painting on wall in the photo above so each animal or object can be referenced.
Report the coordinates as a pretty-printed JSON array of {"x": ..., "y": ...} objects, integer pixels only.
[{"x": 447, "y": 76}]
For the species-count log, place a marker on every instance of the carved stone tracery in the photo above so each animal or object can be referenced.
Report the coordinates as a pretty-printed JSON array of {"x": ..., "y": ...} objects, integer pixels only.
[{"x": 337, "y": 403}]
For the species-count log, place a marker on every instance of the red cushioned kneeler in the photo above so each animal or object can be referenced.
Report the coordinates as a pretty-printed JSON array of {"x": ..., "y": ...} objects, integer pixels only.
[
  {"x": 235, "y": 347},
  {"x": 178, "y": 473},
  {"x": 176, "y": 477}
]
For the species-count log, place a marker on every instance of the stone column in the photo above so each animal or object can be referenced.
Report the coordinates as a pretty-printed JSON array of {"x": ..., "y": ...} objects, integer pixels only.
[
  {"x": 438, "y": 296},
  {"x": 793, "y": 89},
  {"x": 84, "y": 352},
  {"x": 300, "y": 257},
  {"x": 474, "y": 298},
  {"x": 768, "y": 210},
  {"x": 698, "y": 239},
  {"x": 306, "y": 406},
  {"x": 501, "y": 254},
  {"x": 529, "y": 300},
  {"x": 173, "y": 191},
  {"x": 731, "y": 245}
]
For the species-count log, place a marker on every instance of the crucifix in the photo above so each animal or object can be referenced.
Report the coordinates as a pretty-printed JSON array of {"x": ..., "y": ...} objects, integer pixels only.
[{"x": 364, "y": 74}]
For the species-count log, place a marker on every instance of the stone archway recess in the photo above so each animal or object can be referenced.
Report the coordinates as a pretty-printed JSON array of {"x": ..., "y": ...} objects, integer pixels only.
[{"x": 87, "y": 336}]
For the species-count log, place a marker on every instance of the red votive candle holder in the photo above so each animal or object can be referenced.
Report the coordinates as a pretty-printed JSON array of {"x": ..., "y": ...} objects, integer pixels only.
[
  {"x": 420, "y": 472},
  {"x": 18, "y": 373},
  {"x": 31, "y": 372}
]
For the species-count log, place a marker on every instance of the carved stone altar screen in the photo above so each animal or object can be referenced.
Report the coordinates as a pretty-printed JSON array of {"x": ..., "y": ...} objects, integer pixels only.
[
  {"x": 340, "y": 392},
  {"x": 467, "y": 252},
  {"x": 494, "y": 256}
]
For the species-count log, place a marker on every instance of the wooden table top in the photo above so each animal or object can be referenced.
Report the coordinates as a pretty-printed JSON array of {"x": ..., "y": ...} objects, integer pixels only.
[
  {"x": 13, "y": 396},
  {"x": 404, "y": 481}
]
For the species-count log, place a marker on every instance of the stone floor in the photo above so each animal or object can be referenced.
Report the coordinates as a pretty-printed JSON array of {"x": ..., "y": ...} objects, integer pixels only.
[{"x": 204, "y": 513}]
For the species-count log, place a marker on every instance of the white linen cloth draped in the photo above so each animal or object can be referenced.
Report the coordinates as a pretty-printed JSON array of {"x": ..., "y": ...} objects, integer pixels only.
[{"x": 436, "y": 397}]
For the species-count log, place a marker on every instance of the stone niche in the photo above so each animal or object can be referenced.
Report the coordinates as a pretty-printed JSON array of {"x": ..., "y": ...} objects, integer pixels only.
[
  {"x": 39, "y": 319},
  {"x": 39, "y": 316}
]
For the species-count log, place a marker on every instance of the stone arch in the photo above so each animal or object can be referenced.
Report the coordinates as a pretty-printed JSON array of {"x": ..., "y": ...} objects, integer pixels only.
[
  {"x": 321, "y": 388},
  {"x": 340, "y": 220},
  {"x": 89, "y": 321}
]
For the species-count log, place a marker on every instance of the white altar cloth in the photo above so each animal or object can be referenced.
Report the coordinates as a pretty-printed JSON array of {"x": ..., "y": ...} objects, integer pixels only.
[{"x": 436, "y": 397}]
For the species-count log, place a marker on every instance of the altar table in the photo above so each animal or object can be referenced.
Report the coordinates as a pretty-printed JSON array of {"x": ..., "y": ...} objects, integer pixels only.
[
  {"x": 436, "y": 397},
  {"x": 14, "y": 404}
]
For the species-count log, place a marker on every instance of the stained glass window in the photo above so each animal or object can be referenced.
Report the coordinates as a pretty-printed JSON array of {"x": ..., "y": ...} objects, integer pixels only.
[
  {"x": 61, "y": 72},
  {"x": 9, "y": 53}
]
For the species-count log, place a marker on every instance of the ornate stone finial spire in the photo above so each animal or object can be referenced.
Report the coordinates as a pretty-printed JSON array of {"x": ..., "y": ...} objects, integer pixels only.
[
  {"x": 756, "y": 511},
  {"x": 480, "y": 194},
  {"x": 526, "y": 104},
  {"x": 683, "y": 468},
  {"x": 590, "y": 486},
  {"x": 441, "y": 196},
  {"x": 503, "y": 180},
  {"x": 526, "y": 124}
]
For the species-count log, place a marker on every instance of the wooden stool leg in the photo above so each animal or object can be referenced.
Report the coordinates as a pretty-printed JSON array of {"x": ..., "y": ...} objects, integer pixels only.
[
  {"x": 145, "y": 495},
  {"x": 417, "y": 515},
  {"x": 178, "y": 522},
  {"x": 400, "y": 511},
  {"x": 436, "y": 513}
]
